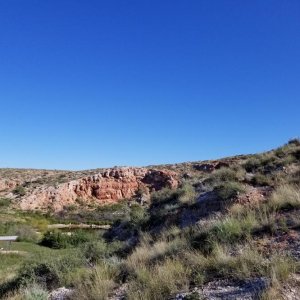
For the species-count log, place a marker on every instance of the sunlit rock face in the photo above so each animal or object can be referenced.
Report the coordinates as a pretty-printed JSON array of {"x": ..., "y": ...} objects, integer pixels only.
[{"x": 109, "y": 186}]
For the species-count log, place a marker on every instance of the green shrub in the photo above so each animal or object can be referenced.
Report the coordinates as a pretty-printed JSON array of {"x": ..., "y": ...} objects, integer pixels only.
[
  {"x": 55, "y": 240},
  {"x": 232, "y": 230},
  {"x": 95, "y": 251},
  {"x": 261, "y": 180},
  {"x": 222, "y": 175},
  {"x": 20, "y": 191},
  {"x": 164, "y": 196},
  {"x": 183, "y": 195},
  {"x": 229, "y": 190},
  {"x": 187, "y": 194},
  {"x": 263, "y": 162},
  {"x": 48, "y": 272},
  {"x": 79, "y": 237},
  {"x": 252, "y": 164},
  {"x": 4, "y": 202},
  {"x": 137, "y": 214},
  {"x": 41, "y": 273},
  {"x": 58, "y": 240}
]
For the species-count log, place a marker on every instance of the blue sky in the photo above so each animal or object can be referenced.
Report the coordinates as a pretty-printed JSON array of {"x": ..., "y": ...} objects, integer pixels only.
[{"x": 87, "y": 84}]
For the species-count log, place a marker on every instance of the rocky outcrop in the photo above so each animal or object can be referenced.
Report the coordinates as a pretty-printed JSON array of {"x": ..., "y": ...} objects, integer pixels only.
[
  {"x": 7, "y": 185},
  {"x": 108, "y": 186}
]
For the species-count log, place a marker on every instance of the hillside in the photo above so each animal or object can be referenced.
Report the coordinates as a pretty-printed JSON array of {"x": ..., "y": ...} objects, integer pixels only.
[{"x": 219, "y": 229}]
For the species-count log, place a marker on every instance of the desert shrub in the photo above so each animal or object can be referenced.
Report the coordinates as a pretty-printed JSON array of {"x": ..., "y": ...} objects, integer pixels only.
[
  {"x": 48, "y": 272},
  {"x": 261, "y": 180},
  {"x": 148, "y": 252},
  {"x": 58, "y": 240},
  {"x": 26, "y": 233},
  {"x": 20, "y": 191},
  {"x": 166, "y": 203},
  {"x": 80, "y": 201},
  {"x": 247, "y": 262},
  {"x": 285, "y": 197},
  {"x": 187, "y": 194},
  {"x": 231, "y": 230},
  {"x": 170, "y": 233},
  {"x": 164, "y": 196},
  {"x": 70, "y": 208},
  {"x": 264, "y": 163},
  {"x": 37, "y": 219},
  {"x": 159, "y": 281},
  {"x": 252, "y": 164},
  {"x": 42, "y": 273},
  {"x": 110, "y": 213},
  {"x": 34, "y": 292},
  {"x": 55, "y": 240},
  {"x": 280, "y": 268},
  {"x": 229, "y": 190},
  {"x": 95, "y": 251},
  {"x": 287, "y": 160},
  {"x": 4, "y": 202},
  {"x": 137, "y": 214},
  {"x": 266, "y": 219},
  {"x": 280, "y": 152},
  {"x": 296, "y": 154},
  {"x": 222, "y": 175},
  {"x": 183, "y": 195},
  {"x": 294, "y": 141},
  {"x": 79, "y": 237},
  {"x": 294, "y": 178},
  {"x": 98, "y": 285},
  {"x": 7, "y": 228}
]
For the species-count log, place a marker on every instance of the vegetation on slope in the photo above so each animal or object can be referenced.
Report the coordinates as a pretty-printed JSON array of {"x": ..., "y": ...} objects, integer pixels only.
[{"x": 183, "y": 239}]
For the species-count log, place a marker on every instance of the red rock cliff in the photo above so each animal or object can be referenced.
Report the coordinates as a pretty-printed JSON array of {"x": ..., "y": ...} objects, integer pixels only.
[{"x": 108, "y": 186}]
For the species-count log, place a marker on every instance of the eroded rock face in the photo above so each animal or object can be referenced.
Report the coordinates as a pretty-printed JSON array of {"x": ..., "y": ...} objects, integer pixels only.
[{"x": 109, "y": 186}]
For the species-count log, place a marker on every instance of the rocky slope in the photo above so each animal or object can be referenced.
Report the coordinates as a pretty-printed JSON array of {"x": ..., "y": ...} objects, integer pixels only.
[
  {"x": 55, "y": 190},
  {"x": 108, "y": 186},
  {"x": 222, "y": 229}
]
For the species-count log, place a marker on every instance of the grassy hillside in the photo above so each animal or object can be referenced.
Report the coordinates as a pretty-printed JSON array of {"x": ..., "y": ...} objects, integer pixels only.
[{"x": 227, "y": 231}]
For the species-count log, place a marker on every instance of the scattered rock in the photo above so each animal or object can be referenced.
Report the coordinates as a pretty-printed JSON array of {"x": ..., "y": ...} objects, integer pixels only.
[
  {"x": 224, "y": 290},
  {"x": 254, "y": 195},
  {"x": 60, "y": 294}
]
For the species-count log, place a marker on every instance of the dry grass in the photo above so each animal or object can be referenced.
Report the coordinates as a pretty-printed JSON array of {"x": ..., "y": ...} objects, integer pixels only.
[
  {"x": 160, "y": 281},
  {"x": 97, "y": 285},
  {"x": 286, "y": 196},
  {"x": 147, "y": 252}
]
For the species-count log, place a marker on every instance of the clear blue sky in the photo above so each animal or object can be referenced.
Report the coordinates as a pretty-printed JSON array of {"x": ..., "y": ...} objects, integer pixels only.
[{"x": 86, "y": 84}]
